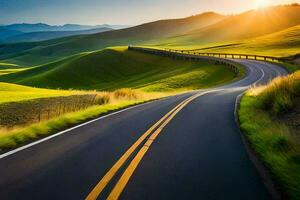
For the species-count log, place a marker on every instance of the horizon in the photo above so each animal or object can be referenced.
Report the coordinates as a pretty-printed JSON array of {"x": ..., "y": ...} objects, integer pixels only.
[{"x": 42, "y": 11}]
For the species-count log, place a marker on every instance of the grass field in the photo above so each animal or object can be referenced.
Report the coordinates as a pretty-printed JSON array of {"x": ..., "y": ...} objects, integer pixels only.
[
  {"x": 117, "y": 67},
  {"x": 269, "y": 115},
  {"x": 14, "y": 93},
  {"x": 8, "y": 68},
  {"x": 23, "y": 121},
  {"x": 23, "y": 105},
  {"x": 12, "y": 138},
  {"x": 279, "y": 44}
]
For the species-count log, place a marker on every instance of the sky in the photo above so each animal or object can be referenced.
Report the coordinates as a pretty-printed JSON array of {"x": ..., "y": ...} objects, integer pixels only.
[{"x": 126, "y": 12}]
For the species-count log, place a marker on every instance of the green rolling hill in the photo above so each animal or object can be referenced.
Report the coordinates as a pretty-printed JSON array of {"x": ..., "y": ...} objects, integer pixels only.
[
  {"x": 48, "y": 35},
  {"x": 115, "y": 68},
  {"x": 42, "y": 52},
  {"x": 284, "y": 43},
  {"x": 252, "y": 23},
  {"x": 247, "y": 25}
]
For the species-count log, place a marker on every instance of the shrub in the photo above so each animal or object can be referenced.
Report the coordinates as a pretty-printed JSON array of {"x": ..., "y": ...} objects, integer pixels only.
[{"x": 280, "y": 95}]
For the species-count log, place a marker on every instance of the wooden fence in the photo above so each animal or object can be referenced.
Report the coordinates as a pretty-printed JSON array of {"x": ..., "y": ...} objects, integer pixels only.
[
  {"x": 207, "y": 54},
  {"x": 191, "y": 57},
  {"x": 227, "y": 55}
]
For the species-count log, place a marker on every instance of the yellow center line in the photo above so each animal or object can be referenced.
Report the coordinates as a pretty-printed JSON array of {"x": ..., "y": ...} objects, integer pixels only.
[
  {"x": 121, "y": 184},
  {"x": 109, "y": 175}
]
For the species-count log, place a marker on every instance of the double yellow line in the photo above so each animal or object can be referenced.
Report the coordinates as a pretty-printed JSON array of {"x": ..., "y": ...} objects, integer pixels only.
[{"x": 155, "y": 130}]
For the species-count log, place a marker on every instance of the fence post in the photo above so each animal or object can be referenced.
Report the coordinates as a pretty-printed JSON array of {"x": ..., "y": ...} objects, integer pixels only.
[
  {"x": 40, "y": 116},
  {"x": 48, "y": 111}
]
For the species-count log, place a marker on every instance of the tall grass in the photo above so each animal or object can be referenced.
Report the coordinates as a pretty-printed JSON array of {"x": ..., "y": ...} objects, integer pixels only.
[
  {"x": 11, "y": 137},
  {"x": 36, "y": 110},
  {"x": 280, "y": 95},
  {"x": 263, "y": 118}
]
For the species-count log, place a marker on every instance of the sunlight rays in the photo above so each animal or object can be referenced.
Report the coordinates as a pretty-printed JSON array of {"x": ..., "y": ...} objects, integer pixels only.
[{"x": 262, "y": 3}]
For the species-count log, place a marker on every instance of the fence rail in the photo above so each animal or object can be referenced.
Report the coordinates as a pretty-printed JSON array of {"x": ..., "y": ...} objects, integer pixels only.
[
  {"x": 175, "y": 54},
  {"x": 227, "y": 55},
  {"x": 211, "y": 54}
]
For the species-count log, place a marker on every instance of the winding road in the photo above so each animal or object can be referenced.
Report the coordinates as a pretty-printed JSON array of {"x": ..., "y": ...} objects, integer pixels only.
[{"x": 182, "y": 147}]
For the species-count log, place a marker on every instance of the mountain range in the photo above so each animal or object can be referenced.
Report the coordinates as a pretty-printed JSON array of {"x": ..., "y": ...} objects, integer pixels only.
[
  {"x": 48, "y": 35},
  {"x": 40, "y": 31},
  {"x": 27, "y": 28}
]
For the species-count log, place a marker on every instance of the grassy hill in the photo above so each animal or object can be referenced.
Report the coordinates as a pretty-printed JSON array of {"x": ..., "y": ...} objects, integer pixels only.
[
  {"x": 42, "y": 52},
  {"x": 247, "y": 25},
  {"x": 5, "y": 33},
  {"x": 47, "y": 35},
  {"x": 115, "y": 68},
  {"x": 7, "y": 68},
  {"x": 281, "y": 44},
  {"x": 14, "y": 93}
]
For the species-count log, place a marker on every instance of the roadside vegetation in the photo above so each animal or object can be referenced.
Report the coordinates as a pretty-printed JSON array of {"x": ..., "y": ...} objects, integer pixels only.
[
  {"x": 25, "y": 121},
  {"x": 270, "y": 117}
]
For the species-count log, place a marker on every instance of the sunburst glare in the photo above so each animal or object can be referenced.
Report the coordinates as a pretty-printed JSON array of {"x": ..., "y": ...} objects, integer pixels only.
[{"x": 262, "y": 3}]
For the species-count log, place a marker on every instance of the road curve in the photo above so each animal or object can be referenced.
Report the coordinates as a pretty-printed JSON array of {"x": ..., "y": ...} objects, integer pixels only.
[{"x": 194, "y": 152}]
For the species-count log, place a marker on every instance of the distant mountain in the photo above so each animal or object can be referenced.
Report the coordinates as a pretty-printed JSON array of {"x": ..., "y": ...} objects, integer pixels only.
[
  {"x": 47, "y": 35},
  {"x": 6, "y": 33},
  {"x": 114, "y": 26},
  {"x": 39, "y": 27},
  {"x": 165, "y": 28}
]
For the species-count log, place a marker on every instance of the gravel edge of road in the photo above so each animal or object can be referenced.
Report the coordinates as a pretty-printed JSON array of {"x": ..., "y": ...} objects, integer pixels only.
[{"x": 272, "y": 186}]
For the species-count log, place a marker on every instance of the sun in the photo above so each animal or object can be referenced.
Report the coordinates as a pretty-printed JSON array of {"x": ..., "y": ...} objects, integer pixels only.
[{"x": 262, "y": 3}]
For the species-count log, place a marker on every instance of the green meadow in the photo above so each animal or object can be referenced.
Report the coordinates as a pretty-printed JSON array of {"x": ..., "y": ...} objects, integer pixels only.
[
  {"x": 115, "y": 68},
  {"x": 280, "y": 44}
]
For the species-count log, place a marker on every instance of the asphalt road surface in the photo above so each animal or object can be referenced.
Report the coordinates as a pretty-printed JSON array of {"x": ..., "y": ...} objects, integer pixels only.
[{"x": 182, "y": 147}]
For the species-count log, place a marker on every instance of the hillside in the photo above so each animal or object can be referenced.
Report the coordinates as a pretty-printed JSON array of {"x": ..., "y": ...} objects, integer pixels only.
[
  {"x": 50, "y": 50},
  {"x": 116, "y": 68},
  {"x": 280, "y": 44},
  {"x": 247, "y": 25},
  {"x": 47, "y": 35},
  {"x": 14, "y": 93},
  {"x": 6, "y": 33}
]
